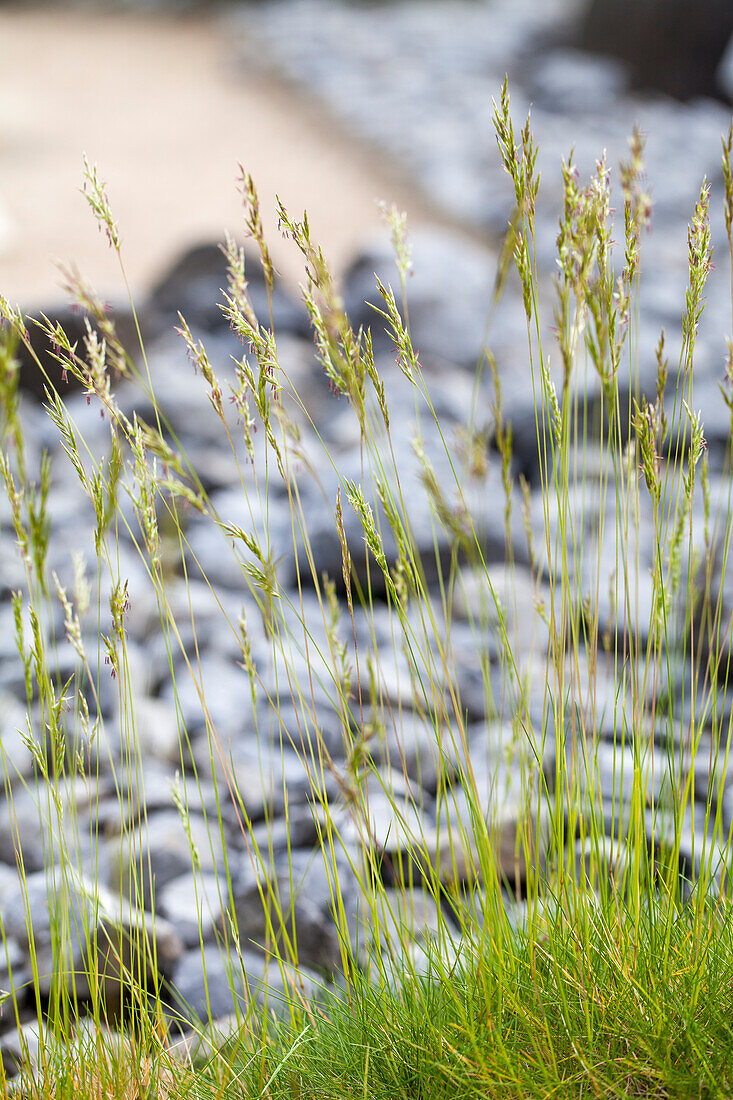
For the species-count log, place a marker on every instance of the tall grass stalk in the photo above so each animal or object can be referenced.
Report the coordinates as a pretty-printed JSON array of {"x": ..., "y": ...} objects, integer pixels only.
[{"x": 577, "y": 946}]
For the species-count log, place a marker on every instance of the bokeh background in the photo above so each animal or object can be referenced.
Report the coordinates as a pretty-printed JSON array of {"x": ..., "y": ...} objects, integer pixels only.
[{"x": 332, "y": 105}]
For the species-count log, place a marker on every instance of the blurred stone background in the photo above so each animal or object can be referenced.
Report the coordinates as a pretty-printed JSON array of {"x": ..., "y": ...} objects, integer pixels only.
[
  {"x": 331, "y": 105},
  {"x": 334, "y": 105}
]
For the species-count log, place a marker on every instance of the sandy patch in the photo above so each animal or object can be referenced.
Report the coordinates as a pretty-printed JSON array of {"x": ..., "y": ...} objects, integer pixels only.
[{"x": 156, "y": 105}]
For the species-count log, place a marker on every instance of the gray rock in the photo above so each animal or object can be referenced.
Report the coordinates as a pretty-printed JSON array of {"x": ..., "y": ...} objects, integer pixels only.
[
  {"x": 306, "y": 729},
  {"x": 194, "y": 283},
  {"x": 300, "y": 829},
  {"x": 724, "y": 75},
  {"x": 13, "y": 962},
  {"x": 392, "y": 828},
  {"x": 211, "y": 983},
  {"x": 422, "y": 747},
  {"x": 712, "y": 772},
  {"x": 144, "y": 786},
  {"x": 299, "y": 927},
  {"x": 403, "y": 917},
  {"x": 445, "y": 327},
  {"x": 727, "y": 809},
  {"x": 433, "y": 956},
  {"x": 291, "y": 904},
  {"x": 20, "y": 1047},
  {"x": 235, "y": 767},
  {"x": 570, "y": 82},
  {"x": 195, "y": 906},
  {"x": 220, "y": 692},
  {"x": 149, "y": 728},
  {"x": 689, "y": 838},
  {"x": 502, "y": 785},
  {"x": 401, "y": 670},
  {"x": 32, "y": 829},
  {"x": 620, "y": 591},
  {"x": 713, "y": 630},
  {"x": 510, "y": 603},
  {"x": 472, "y": 508},
  {"x": 148, "y": 857},
  {"x": 17, "y": 759},
  {"x": 284, "y": 763},
  {"x": 103, "y": 696},
  {"x": 76, "y": 927},
  {"x": 478, "y": 907},
  {"x": 607, "y": 772},
  {"x": 196, "y": 1044},
  {"x": 480, "y": 679},
  {"x": 72, "y": 321}
]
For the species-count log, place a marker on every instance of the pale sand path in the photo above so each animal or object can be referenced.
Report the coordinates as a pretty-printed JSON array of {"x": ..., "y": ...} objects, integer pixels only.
[{"x": 155, "y": 103}]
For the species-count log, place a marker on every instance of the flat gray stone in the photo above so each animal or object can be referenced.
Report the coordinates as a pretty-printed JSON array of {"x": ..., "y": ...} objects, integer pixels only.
[
  {"x": 158, "y": 851},
  {"x": 68, "y": 918},
  {"x": 212, "y": 983},
  {"x": 195, "y": 906}
]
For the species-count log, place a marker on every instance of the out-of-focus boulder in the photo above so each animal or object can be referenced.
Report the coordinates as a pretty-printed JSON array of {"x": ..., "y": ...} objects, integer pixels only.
[
  {"x": 34, "y": 378},
  {"x": 194, "y": 285},
  {"x": 672, "y": 46}
]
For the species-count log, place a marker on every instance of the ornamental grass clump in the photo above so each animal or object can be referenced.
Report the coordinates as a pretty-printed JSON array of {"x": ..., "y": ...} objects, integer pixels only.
[{"x": 552, "y": 918}]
